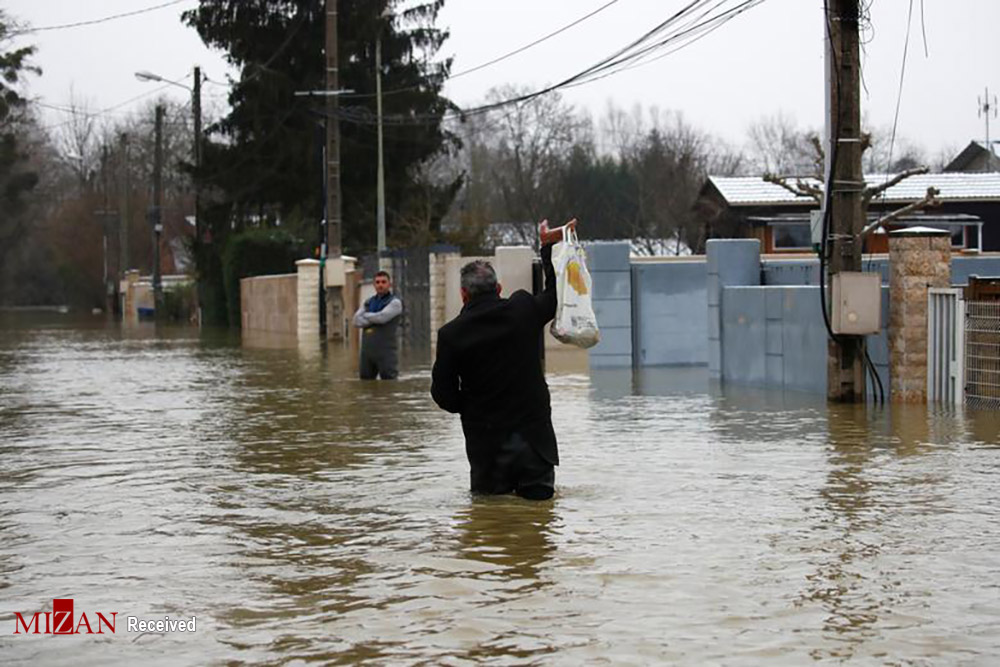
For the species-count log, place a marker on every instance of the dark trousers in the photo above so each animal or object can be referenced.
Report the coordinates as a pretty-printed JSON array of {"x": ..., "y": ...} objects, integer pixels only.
[
  {"x": 516, "y": 468},
  {"x": 378, "y": 363}
]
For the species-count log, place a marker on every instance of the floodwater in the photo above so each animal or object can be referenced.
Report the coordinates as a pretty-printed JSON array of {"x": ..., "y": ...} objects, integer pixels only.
[{"x": 302, "y": 516}]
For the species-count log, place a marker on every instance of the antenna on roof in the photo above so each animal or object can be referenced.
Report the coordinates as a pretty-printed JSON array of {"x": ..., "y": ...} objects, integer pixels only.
[{"x": 984, "y": 110}]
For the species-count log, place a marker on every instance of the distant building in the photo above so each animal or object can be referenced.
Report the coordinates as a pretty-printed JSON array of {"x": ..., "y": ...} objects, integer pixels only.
[
  {"x": 977, "y": 157},
  {"x": 750, "y": 207}
]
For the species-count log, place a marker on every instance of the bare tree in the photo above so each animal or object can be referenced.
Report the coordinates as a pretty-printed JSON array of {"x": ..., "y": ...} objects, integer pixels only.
[
  {"x": 76, "y": 138},
  {"x": 533, "y": 139},
  {"x": 777, "y": 146}
]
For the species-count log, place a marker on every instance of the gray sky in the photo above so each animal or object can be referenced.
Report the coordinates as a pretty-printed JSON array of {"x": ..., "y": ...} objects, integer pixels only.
[{"x": 766, "y": 61}]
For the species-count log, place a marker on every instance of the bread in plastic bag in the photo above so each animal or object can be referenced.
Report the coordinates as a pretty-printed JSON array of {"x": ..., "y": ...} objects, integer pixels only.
[{"x": 575, "y": 322}]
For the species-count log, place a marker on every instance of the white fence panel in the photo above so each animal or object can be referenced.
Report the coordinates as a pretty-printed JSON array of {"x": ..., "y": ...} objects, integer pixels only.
[{"x": 945, "y": 346}]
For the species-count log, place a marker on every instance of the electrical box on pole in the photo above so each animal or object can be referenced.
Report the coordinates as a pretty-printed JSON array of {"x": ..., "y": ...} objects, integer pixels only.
[{"x": 856, "y": 303}]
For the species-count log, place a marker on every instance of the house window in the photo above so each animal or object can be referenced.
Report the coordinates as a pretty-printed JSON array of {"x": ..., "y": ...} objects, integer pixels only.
[
  {"x": 791, "y": 236},
  {"x": 974, "y": 237},
  {"x": 962, "y": 236}
]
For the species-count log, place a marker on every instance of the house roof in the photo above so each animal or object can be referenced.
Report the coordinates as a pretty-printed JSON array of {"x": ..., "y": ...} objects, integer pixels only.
[
  {"x": 753, "y": 190},
  {"x": 916, "y": 218},
  {"x": 976, "y": 150}
]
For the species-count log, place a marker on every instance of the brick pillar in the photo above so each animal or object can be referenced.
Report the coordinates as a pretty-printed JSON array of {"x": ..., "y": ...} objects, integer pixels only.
[
  {"x": 307, "y": 296},
  {"x": 919, "y": 258}
]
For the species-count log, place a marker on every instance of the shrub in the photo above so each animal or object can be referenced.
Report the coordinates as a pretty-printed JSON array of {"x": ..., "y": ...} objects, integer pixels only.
[{"x": 257, "y": 252}]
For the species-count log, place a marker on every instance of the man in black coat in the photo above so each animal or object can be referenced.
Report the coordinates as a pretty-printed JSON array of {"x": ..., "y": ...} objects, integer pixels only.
[{"x": 488, "y": 369}]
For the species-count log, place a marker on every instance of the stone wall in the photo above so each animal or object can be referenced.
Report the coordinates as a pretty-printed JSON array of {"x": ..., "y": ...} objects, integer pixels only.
[
  {"x": 919, "y": 258},
  {"x": 270, "y": 303}
]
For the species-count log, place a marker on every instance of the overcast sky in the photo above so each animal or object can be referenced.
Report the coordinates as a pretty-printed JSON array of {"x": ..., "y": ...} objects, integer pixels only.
[{"x": 766, "y": 61}]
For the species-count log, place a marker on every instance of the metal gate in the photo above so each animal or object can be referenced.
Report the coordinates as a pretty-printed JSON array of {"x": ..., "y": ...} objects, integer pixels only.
[
  {"x": 982, "y": 353},
  {"x": 411, "y": 277},
  {"x": 945, "y": 339}
]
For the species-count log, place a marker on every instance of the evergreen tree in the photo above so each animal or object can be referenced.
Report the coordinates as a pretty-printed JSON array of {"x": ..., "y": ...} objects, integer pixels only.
[
  {"x": 15, "y": 179},
  {"x": 266, "y": 164}
]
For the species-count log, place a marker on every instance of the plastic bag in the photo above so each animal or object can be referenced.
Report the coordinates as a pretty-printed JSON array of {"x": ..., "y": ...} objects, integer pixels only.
[{"x": 575, "y": 322}]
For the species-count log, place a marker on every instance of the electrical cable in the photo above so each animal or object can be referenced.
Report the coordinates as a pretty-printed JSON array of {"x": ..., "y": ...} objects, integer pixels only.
[
  {"x": 364, "y": 115},
  {"x": 476, "y": 68},
  {"x": 106, "y": 19},
  {"x": 614, "y": 63},
  {"x": 641, "y": 62}
]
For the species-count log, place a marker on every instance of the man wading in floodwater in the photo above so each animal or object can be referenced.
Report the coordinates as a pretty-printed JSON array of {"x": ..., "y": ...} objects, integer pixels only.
[
  {"x": 378, "y": 319},
  {"x": 488, "y": 369}
]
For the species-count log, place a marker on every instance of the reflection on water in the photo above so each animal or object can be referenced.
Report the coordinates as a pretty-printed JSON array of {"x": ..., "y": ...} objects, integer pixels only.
[{"x": 303, "y": 515}]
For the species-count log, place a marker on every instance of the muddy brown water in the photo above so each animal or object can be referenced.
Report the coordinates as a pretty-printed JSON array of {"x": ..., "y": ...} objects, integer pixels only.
[{"x": 302, "y": 516}]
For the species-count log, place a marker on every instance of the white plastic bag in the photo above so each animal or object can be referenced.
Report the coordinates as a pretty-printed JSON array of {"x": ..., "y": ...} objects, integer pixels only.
[{"x": 575, "y": 322}]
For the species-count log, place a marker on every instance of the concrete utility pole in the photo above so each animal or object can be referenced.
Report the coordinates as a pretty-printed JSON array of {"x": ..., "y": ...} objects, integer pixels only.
[
  {"x": 334, "y": 295},
  {"x": 156, "y": 212},
  {"x": 845, "y": 357},
  {"x": 380, "y": 178}
]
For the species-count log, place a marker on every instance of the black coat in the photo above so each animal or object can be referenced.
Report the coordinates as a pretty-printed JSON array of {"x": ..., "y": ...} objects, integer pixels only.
[{"x": 488, "y": 369}]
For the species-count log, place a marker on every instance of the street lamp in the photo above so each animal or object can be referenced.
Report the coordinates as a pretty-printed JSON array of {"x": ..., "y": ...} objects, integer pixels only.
[
  {"x": 380, "y": 183},
  {"x": 145, "y": 75}
]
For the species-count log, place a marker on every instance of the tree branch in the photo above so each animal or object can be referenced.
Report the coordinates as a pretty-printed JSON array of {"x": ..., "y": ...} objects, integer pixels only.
[
  {"x": 875, "y": 190},
  {"x": 800, "y": 189},
  {"x": 929, "y": 200}
]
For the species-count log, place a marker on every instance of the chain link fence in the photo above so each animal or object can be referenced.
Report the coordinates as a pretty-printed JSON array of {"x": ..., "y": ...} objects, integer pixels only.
[{"x": 982, "y": 354}]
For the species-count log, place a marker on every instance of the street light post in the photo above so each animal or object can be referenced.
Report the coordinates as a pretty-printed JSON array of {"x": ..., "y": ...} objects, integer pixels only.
[{"x": 196, "y": 152}]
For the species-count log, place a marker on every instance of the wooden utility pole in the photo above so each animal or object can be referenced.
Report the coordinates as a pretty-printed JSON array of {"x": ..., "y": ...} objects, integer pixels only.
[
  {"x": 199, "y": 261},
  {"x": 124, "y": 258},
  {"x": 846, "y": 354},
  {"x": 334, "y": 295},
  {"x": 156, "y": 212}
]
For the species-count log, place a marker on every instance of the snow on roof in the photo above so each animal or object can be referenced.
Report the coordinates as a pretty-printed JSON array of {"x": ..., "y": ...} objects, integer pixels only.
[{"x": 748, "y": 190}]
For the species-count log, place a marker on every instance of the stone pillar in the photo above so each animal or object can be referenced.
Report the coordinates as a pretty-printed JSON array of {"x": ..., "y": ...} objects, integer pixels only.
[
  {"x": 513, "y": 266},
  {"x": 731, "y": 263},
  {"x": 919, "y": 258},
  {"x": 439, "y": 291},
  {"x": 130, "y": 312},
  {"x": 307, "y": 296}
]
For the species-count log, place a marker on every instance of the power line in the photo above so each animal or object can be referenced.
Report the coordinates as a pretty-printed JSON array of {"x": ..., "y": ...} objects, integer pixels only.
[
  {"x": 899, "y": 94},
  {"x": 65, "y": 108},
  {"x": 81, "y": 24},
  {"x": 499, "y": 58},
  {"x": 693, "y": 25}
]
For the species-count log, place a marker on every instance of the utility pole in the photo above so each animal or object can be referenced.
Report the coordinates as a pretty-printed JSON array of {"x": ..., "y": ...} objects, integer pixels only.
[
  {"x": 105, "y": 217},
  {"x": 123, "y": 220},
  {"x": 198, "y": 231},
  {"x": 380, "y": 181},
  {"x": 334, "y": 295},
  {"x": 156, "y": 212},
  {"x": 846, "y": 355}
]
